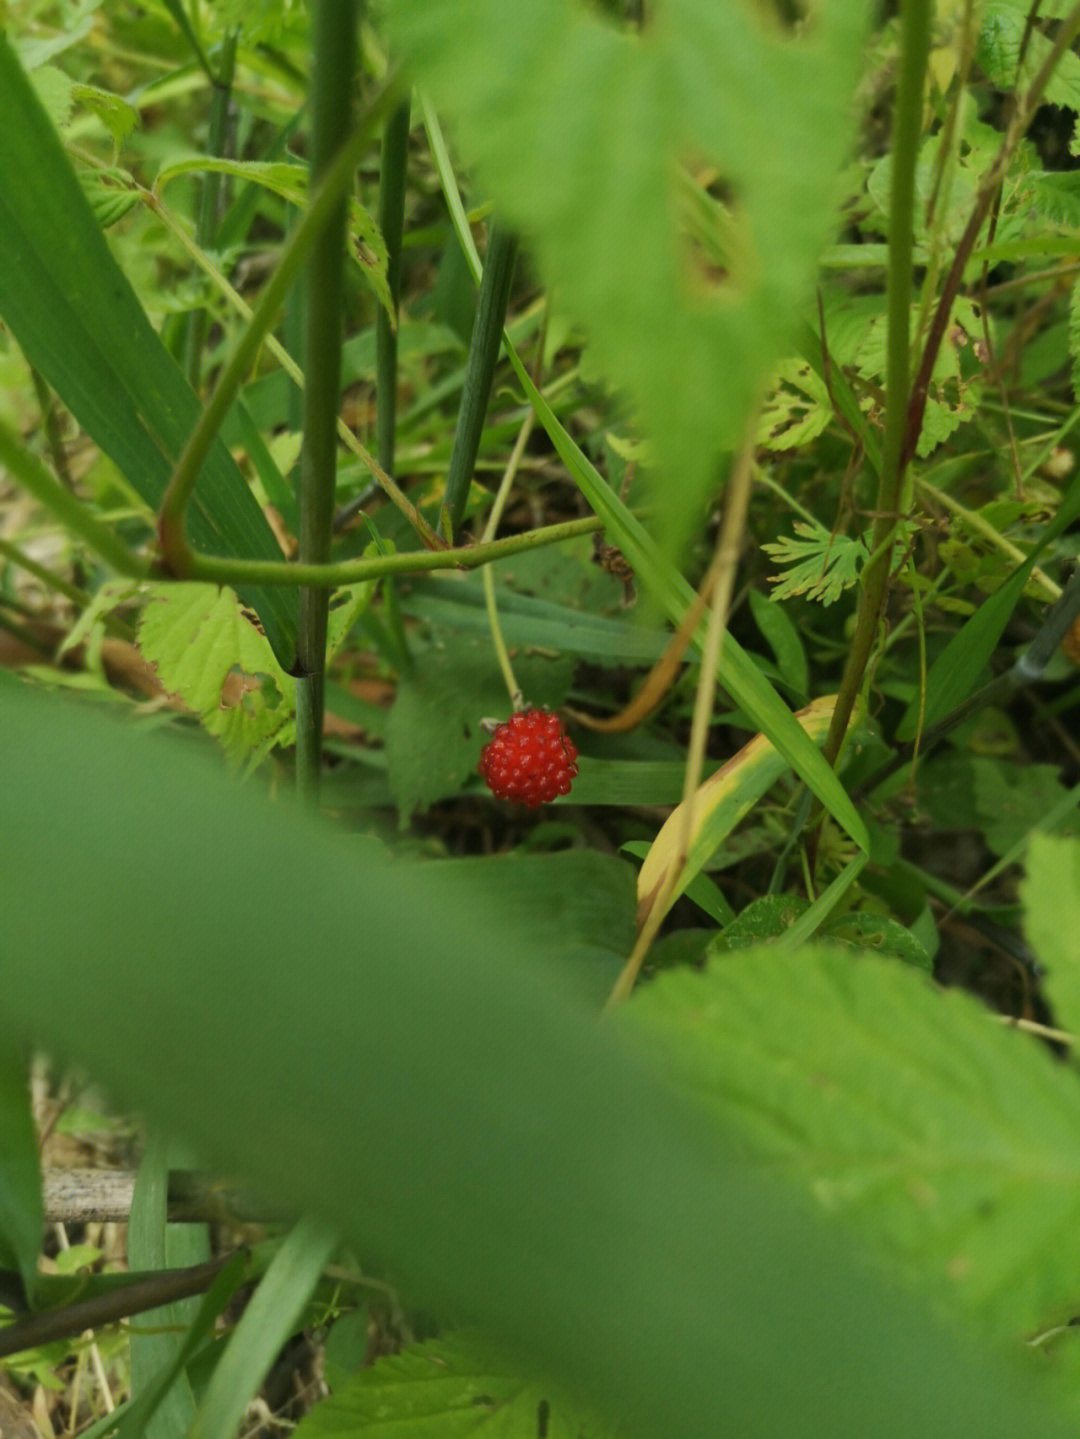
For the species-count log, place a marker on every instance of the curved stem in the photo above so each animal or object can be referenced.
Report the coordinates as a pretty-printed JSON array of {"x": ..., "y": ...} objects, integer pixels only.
[{"x": 351, "y": 572}]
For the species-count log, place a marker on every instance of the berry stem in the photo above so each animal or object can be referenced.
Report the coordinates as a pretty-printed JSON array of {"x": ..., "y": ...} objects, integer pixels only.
[{"x": 502, "y": 495}]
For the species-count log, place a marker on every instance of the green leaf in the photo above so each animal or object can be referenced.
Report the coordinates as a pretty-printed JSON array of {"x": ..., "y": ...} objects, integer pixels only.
[
  {"x": 1051, "y": 894},
  {"x": 78, "y": 321},
  {"x": 1014, "y": 799},
  {"x": 948, "y": 1140},
  {"x": 159, "y": 1387},
  {"x": 820, "y": 565},
  {"x": 22, "y": 1215},
  {"x": 440, "y": 1097},
  {"x": 783, "y": 639},
  {"x": 595, "y": 126},
  {"x": 454, "y": 1387},
  {"x": 269, "y": 1318},
  {"x": 1005, "y": 33},
  {"x": 954, "y": 673},
  {"x": 114, "y": 112},
  {"x": 209, "y": 653},
  {"x": 292, "y": 183}
]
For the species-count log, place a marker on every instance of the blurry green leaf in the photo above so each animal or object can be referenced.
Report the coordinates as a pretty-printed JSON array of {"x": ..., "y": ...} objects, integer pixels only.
[
  {"x": 438, "y": 1096},
  {"x": 594, "y": 125},
  {"x": 22, "y": 1216},
  {"x": 1051, "y": 894},
  {"x": 1014, "y": 799},
  {"x": 78, "y": 321},
  {"x": 114, "y": 112},
  {"x": 452, "y": 1387},
  {"x": 907, "y": 1109}
]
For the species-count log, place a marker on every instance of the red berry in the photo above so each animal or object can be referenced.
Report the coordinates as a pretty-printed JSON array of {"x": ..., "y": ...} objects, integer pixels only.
[{"x": 529, "y": 759}]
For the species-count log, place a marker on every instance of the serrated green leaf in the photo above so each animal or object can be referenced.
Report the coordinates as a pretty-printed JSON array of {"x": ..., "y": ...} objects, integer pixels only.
[
  {"x": 594, "y": 125},
  {"x": 450, "y": 1387},
  {"x": 1051, "y": 895},
  {"x": 819, "y": 565},
  {"x": 210, "y": 654},
  {"x": 1005, "y": 36},
  {"x": 947, "y": 1139}
]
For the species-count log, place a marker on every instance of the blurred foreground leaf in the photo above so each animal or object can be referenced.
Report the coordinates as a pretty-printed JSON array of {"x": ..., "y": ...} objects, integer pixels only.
[{"x": 380, "y": 1043}]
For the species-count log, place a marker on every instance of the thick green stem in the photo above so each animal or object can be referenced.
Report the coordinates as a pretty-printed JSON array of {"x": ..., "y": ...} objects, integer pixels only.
[
  {"x": 335, "y": 64},
  {"x": 484, "y": 348},
  {"x": 325, "y": 199},
  {"x": 395, "y": 154},
  {"x": 209, "y": 196},
  {"x": 915, "y": 49}
]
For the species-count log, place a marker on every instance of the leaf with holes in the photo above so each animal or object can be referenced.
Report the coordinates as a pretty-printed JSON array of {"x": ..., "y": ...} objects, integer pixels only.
[
  {"x": 209, "y": 653},
  {"x": 598, "y": 128}
]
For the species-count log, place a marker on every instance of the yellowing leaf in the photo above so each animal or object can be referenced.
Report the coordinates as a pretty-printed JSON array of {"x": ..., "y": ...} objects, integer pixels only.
[
  {"x": 719, "y": 804},
  {"x": 213, "y": 657}
]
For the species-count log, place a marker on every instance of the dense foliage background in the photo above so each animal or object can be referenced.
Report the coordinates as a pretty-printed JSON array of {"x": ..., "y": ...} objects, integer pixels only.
[{"x": 707, "y": 374}]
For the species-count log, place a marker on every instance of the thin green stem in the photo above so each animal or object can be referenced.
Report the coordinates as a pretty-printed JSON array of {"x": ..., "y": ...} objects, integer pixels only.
[
  {"x": 334, "y": 69},
  {"x": 393, "y": 169},
  {"x": 351, "y": 572},
  {"x": 501, "y": 652},
  {"x": 484, "y": 347},
  {"x": 69, "y": 510},
  {"x": 325, "y": 199},
  {"x": 47, "y": 577},
  {"x": 915, "y": 50}
]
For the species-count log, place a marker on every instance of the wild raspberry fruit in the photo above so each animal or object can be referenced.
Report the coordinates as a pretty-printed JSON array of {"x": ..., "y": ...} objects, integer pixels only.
[{"x": 529, "y": 759}]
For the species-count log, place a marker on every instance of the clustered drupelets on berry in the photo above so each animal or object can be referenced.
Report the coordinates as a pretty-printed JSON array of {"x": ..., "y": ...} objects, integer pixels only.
[{"x": 529, "y": 759}]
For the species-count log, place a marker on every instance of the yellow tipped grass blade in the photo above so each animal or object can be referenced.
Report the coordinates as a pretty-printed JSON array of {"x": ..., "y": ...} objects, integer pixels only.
[{"x": 719, "y": 804}]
